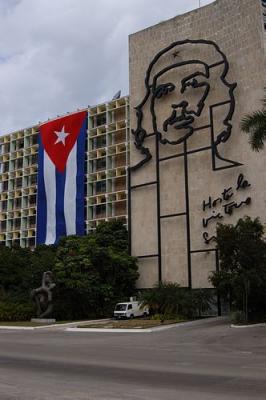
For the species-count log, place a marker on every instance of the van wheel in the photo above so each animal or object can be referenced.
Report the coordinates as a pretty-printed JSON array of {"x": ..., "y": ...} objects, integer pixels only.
[
  {"x": 131, "y": 316},
  {"x": 145, "y": 315}
]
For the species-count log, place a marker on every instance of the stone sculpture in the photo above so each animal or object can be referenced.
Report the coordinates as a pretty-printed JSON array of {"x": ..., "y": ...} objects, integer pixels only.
[{"x": 42, "y": 296}]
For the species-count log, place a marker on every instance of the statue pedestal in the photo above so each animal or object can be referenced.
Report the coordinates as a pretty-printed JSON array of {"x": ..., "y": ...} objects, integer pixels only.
[{"x": 43, "y": 321}]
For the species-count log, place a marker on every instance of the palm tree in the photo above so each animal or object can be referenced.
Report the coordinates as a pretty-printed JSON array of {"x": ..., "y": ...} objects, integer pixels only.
[{"x": 255, "y": 125}]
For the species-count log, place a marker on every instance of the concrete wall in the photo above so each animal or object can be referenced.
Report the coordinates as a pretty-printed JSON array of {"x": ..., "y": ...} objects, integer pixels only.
[{"x": 236, "y": 27}]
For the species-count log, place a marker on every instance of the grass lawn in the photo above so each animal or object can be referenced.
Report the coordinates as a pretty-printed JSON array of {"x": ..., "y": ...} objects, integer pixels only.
[
  {"x": 33, "y": 324},
  {"x": 130, "y": 324},
  {"x": 19, "y": 323},
  {"x": 29, "y": 323}
]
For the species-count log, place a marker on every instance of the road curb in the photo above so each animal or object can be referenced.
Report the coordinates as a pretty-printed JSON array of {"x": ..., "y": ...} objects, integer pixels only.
[
  {"x": 24, "y": 328},
  {"x": 110, "y": 330},
  {"x": 247, "y": 326}
]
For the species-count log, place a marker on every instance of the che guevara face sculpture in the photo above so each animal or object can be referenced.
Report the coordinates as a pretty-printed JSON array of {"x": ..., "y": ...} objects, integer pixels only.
[
  {"x": 182, "y": 85},
  {"x": 176, "y": 95}
]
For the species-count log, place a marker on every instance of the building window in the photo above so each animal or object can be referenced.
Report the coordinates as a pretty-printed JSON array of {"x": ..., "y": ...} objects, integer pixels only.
[
  {"x": 99, "y": 164},
  {"x": 34, "y": 140},
  {"x": 4, "y": 205},
  {"x": 100, "y": 210},
  {"x": 32, "y": 200},
  {"x": 34, "y": 159},
  {"x": 99, "y": 142},
  {"x": 19, "y": 163},
  {"x": 18, "y": 183},
  {"x": 20, "y": 144},
  {"x": 33, "y": 179},
  {"x": 6, "y": 167},
  {"x": 3, "y": 226},
  {"x": 100, "y": 119},
  {"x": 100, "y": 187},
  {"x": 17, "y": 223},
  {"x": 31, "y": 222},
  {"x": 17, "y": 203}
]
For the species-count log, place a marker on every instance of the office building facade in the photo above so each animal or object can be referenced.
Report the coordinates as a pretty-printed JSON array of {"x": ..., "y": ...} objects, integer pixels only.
[
  {"x": 192, "y": 80},
  {"x": 105, "y": 179}
]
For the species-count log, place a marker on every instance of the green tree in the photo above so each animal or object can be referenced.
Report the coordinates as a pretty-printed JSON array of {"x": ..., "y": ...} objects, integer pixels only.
[
  {"x": 242, "y": 274},
  {"x": 93, "y": 272},
  {"x": 15, "y": 275},
  {"x": 255, "y": 125},
  {"x": 112, "y": 234},
  {"x": 15, "y": 272},
  {"x": 199, "y": 301},
  {"x": 42, "y": 259}
]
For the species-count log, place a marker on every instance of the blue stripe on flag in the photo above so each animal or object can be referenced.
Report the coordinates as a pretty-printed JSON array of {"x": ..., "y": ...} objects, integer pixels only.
[
  {"x": 41, "y": 198},
  {"x": 59, "y": 206},
  {"x": 80, "y": 210}
]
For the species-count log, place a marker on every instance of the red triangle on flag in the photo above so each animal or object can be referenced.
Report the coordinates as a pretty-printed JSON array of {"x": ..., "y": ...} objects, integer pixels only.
[{"x": 59, "y": 136}]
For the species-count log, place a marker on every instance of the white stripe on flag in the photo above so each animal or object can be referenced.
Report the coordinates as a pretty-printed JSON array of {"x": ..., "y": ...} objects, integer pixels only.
[
  {"x": 70, "y": 208},
  {"x": 50, "y": 190}
]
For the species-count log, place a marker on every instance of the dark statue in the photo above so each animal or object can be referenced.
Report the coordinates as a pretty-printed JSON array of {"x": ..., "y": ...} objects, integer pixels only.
[{"x": 42, "y": 296}]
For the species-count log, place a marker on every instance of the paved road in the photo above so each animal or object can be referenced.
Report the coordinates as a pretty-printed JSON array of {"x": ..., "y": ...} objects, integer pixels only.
[{"x": 206, "y": 362}]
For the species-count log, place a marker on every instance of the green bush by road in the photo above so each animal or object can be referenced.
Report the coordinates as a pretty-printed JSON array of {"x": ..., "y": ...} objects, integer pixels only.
[{"x": 91, "y": 273}]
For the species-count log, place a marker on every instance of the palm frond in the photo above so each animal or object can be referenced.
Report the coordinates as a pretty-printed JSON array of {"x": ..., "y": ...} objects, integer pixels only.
[
  {"x": 255, "y": 125},
  {"x": 257, "y": 139},
  {"x": 254, "y": 120}
]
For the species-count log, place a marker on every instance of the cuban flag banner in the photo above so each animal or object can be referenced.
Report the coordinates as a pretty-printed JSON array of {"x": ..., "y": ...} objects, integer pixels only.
[{"x": 61, "y": 160}]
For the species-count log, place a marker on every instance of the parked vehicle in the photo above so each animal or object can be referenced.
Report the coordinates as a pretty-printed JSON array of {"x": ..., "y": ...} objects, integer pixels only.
[{"x": 130, "y": 309}]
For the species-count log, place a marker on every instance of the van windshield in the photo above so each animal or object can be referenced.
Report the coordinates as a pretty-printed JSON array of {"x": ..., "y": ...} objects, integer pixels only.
[{"x": 120, "y": 307}]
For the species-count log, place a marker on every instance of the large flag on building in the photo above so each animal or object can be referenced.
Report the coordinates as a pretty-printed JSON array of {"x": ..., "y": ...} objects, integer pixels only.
[{"x": 60, "y": 202}]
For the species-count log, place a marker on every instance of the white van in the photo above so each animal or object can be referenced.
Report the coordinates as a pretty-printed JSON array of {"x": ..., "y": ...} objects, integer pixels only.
[{"x": 130, "y": 310}]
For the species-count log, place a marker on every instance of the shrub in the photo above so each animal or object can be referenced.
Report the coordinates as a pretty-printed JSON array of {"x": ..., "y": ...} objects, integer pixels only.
[
  {"x": 242, "y": 274},
  {"x": 163, "y": 298},
  {"x": 237, "y": 317},
  {"x": 15, "y": 311},
  {"x": 169, "y": 299}
]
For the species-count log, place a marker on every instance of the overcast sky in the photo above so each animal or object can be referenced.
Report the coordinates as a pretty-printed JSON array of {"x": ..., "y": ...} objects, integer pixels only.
[{"x": 60, "y": 55}]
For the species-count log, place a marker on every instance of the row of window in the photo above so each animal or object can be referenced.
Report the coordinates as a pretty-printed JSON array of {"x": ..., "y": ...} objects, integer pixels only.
[
  {"x": 29, "y": 242},
  {"x": 100, "y": 210},
  {"x": 18, "y": 183},
  {"x": 19, "y": 163},
  {"x": 18, "y": 203},
  {"x": 100, "y": 164},
  {"x": 17, "y": 223},
  {"x": 18, "y": 144}
]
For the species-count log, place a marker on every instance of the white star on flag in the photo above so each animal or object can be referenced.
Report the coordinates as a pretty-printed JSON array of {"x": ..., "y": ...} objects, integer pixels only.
[{"x": 61, "y": 136}]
